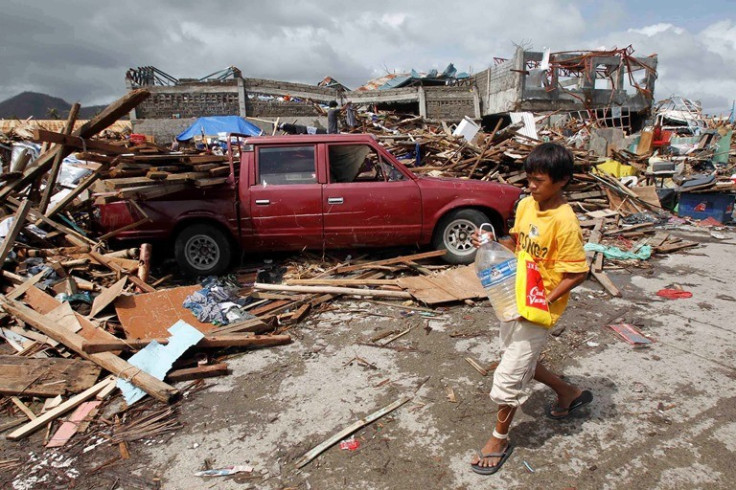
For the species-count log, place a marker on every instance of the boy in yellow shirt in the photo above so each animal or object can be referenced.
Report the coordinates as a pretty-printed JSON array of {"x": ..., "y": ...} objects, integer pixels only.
[{"x": 547, "y": 228}]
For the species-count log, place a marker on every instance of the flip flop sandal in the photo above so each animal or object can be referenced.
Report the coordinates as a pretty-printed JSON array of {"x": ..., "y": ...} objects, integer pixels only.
[
  {"x": 489, "y": 470},
  {"x": 585, "y": 398}
]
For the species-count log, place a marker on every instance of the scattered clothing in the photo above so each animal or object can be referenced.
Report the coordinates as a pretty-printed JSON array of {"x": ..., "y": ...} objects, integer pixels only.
[{"x": 217, "y": 302}]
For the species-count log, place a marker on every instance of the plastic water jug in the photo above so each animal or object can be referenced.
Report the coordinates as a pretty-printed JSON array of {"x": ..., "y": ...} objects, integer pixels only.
[{"x": 495, "y": 266}]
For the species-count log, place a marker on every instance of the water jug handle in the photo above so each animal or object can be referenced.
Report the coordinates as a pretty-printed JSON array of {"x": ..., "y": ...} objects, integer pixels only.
[{"x": 493, "y": 231}]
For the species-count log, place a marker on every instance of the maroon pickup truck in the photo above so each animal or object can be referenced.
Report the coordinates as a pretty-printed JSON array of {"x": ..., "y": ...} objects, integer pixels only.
[{"x": 314, "y": 192}]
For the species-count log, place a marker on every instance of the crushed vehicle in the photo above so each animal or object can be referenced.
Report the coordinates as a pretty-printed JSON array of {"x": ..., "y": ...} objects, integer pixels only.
[{"x": 313, "y": 192}]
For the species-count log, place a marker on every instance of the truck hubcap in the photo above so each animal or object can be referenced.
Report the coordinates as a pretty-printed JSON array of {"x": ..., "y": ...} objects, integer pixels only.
[
  {"x": 457, "y": 237},
  {"x": 202, "y": 252}
]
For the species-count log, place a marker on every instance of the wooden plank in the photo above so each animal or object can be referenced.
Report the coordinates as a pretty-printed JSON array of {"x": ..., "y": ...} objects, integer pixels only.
[
  {"x": 73, "y": 236},
  {"x": 198, "y": 372},
  {"x": 64, "y": 316},
  {"x": 301, "y": 313},
  {"x": 81, "y": 187},
  {"x": 210, "y": 342},
  {"x": 70, "y": 426},
  {"x": 21, "y": 289},
  {"x": 211, "y": 182},
  {"x": 261, "y": 310},
  {"x": 252, "y": 341},
  {"x": 151, "y": 191},
  {"x": 649, "y": 195},
  {"x": 93, "y": 347},
  {"x": 68, "y": 405},
  {"x": 23, "y": 408},
  {"x": 333, "y": 290},
  {"x": 396, "y": 260},
  {"x": 645, "y": 142},
  {"x": 109, "y": 115},
  {"x": 46, "y": 377},
  {"x": 342, "y": 282},
  {"x": 108, "y": 296},
  {"x": 32, "y": 334},
  {"x": 604, "y": 281},
  {"x": 75, "y": 142},
  {"x": 117, "y": 184},
  {"x": 598, "y": 262},
  {"x": 18, "y": 224},
  {"x": 107, "y": 360},
  {"x": 145, "y": 316},
  {"x": 456, "y": 284},
  {"x": 316, "y": 451},
  {"x": 254, "y": 325},
  {"x": 56, "y": 165},
  {"x": 113, "y": 266}
]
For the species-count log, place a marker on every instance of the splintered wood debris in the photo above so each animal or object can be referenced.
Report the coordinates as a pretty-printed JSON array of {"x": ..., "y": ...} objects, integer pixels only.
[{"x": 73, "y": 310}]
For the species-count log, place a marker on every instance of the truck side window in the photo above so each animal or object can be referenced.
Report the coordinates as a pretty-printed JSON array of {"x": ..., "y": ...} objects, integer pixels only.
[
  {"x": 286, "y": 165},
  {"x": 359, "y": 163}
]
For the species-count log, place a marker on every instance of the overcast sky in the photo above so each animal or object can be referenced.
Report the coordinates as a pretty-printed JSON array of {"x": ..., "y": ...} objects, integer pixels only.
[{"x": 79, "y": 50}]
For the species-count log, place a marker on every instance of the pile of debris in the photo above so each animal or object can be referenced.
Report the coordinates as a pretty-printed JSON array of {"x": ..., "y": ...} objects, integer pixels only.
[{"x": 85, "y": 327}]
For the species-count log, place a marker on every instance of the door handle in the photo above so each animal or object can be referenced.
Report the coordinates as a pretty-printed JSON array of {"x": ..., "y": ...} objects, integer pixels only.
[
  {"x": 334, "y": 200},
  {"x": 263, "y": 202}
]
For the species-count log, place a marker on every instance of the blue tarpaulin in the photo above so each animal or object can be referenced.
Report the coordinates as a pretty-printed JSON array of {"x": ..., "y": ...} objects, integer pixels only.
[{"x": 219, "y": 124}]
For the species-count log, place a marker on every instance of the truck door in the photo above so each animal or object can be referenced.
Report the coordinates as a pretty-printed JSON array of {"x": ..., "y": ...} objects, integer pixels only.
[
  {"x": 368, "y": 201},
  {"x": 286, "y": 198}
]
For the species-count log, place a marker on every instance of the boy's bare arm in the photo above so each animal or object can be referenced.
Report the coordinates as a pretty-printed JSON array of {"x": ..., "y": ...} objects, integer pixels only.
[{"x": 570, "y": 280}]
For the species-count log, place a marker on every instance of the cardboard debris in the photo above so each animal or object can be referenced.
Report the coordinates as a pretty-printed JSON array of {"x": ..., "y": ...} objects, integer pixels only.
[{"x": 157, "y": 359}]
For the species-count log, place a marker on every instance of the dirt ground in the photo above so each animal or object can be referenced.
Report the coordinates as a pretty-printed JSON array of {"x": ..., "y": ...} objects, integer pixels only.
[{"x": 663, "y": 416}]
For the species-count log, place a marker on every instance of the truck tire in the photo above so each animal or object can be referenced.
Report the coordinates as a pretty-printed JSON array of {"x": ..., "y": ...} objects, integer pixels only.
[
  {"x": 453, "y": 234},
  {"x": 202, "y": 250}
]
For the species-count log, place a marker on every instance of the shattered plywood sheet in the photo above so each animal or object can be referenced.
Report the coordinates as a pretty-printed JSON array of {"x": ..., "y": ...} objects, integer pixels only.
[
  {"x": 107, "y": 296},
  {"x": 71, "y": 426},
  {"x": 456, "y": 284},
  {"x": 147, "y": 316},
  {"x": 45, "y": 376}
]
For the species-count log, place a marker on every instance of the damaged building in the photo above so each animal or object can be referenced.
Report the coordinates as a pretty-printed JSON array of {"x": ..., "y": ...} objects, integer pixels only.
[{"x": 613, "y": 87}]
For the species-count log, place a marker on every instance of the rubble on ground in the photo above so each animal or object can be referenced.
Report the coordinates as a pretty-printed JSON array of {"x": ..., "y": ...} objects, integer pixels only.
[{"x": 73, "y": 310}]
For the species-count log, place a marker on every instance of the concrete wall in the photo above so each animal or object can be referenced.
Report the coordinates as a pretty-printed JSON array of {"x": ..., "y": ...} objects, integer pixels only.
[
  {"x": 499, "y": 87},
  {"x": 165, "y": 130},
  {"x": 190, "y": 100},
  {"x": 451, "y": 103}
]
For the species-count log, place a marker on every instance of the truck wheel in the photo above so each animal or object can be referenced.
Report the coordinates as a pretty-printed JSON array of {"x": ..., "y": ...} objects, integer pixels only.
[
  {"x": 453, "y": 234},
  {"x": 202, "y": 250}
]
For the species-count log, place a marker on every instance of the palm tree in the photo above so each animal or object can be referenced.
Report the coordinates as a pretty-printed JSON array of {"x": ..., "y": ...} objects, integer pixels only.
[{"x": 52, "y": 113}]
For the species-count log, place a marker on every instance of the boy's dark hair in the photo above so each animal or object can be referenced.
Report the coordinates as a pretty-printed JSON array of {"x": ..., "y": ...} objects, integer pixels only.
[
  {"x": 552, "y": 159},
  {"x": 333, "y": 103}
]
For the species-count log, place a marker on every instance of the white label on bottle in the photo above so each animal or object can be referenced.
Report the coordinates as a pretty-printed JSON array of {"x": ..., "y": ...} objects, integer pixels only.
[{"x": 495, "y": 275}]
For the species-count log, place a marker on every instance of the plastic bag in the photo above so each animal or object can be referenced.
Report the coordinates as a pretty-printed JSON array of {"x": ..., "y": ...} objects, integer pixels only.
[{"x": 531, "y": 297}]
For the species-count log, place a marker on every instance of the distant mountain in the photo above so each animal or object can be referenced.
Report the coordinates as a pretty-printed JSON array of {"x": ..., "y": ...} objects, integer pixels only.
[{"x": 42, "y": 106}]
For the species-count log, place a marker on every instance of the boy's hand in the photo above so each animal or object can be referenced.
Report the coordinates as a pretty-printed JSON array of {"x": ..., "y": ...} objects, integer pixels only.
[{"x": 477, "y": 241}]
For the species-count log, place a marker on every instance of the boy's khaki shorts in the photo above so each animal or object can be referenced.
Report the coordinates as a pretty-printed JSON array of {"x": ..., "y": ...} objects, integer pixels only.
[{"x": 521, "y": 344}]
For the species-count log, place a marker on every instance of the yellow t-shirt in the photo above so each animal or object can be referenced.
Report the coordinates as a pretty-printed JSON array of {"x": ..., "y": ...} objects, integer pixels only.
[{"x": 554, "y": 239}]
